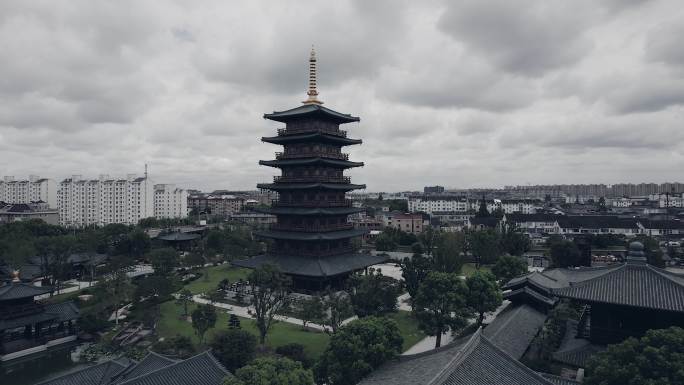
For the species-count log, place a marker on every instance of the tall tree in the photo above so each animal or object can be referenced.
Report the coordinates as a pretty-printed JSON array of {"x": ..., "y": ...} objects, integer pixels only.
[
  {"x": 374, "y": 293},
  {"x": 414, "y": 270},
  {"x": 448, "y": 254},
  {"x": 565, "y": 254},
  {"x": 484, "y": 294},
  {"x": 184, "y": 297},
  {"x": 428, "y": 238},
  {"x": 271, "y": 371},
  {"x": 655, "y": 359},
  {"x": 508, "y": 267},
  {"x": 270, "y": 294},
  {"x": 337, "y": 307},
  {"x": 441, "y": 304},
  {"x": 484, "y": 246},
  {"x": 311, "y": 310},
  {"x": 164, "y": 260},
  {"x": 357, "y": 349},
  {"x": 118, "y": 290},
  {"x": 234, "y": 348},
  {"x": 513, "y": 241},
  {"x": 203, "y": 319}
]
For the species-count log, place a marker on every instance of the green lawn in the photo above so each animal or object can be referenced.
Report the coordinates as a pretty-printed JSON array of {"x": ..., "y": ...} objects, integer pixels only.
[
  {"x": 281, "y": 333},
  {"x": 216, "y": 274},
  {"x": 408, "y": 327},
  {"x": 469, "y": 268}
]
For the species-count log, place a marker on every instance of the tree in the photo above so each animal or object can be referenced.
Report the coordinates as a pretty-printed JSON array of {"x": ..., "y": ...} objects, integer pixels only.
[
  {"x": 337, "y": 307},
  {"x": 117, "y": 290},
  {"x": 513, "y": 242},
  {"x": 373, "y": 293},
  {"x": 602, "y": 205},
  {"x": 203, "y": 319},
  {"x": 482, "y": 211},
  {"x": 428, "y": 238},
  {"x": 178, "y": 346},
  {"x": 311, "y": 310},
  {"x": 234, "y": 348},
  {"x": 184, "y": 297},
  {"x": 385, "y": 242},
  {"x": 156, "y": 288},
  {"x": 272, "y": 371},
  {"x": 295, "y": 352},
  {"x": 484, "y": 246},
  {"x": 448, "y": 253},
  {"x": 441, "y": 304},
  {"x": 357, "y": 349},
  {"x": 508, "y": 267},
  {"x": 193, "y": 260},
  {"x": 164, "y": 260},
  {"x": 652, "y": 251},
  {"x": 234, "y": 322},
  {"x": 270, "y": 293},
  {"x": 484, "y": 294},
  {"x": 565, "y": 254},
  {"x": 414, "y": 270},
  {"x": 655, "y": 359},
  {"x": 138, "y": 243}
]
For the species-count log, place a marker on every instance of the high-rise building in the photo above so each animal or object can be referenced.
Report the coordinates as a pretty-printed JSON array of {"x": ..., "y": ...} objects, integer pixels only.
[
  {"x": 31, "y": 190},
  {"x": 85, "y": 202},
  {"x": 170, "y": 201},
  {"x": 312, "y": 239}
]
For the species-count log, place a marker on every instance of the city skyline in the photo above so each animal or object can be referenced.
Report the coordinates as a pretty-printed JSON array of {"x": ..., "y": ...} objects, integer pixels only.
[{"x": 461, "y": 95}]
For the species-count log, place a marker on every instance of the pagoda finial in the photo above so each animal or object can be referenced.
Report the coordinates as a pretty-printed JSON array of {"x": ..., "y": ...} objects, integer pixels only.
[{"x": 312, "y": 92}]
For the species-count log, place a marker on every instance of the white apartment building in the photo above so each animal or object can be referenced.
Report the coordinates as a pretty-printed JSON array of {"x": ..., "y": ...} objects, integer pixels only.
[
  {"x": 33, "y": 189},
  {"x": 102, "y": 201},
  {"x": 508, "y": 206},
  {"x": 170, "y": 201},
  {"x": 429, "y": 204}
]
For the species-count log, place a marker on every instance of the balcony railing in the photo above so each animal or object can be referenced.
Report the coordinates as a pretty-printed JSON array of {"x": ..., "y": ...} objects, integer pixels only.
[
  {"x": 19, "y": 344},
  {"x": 17, "y": 311},
  {"x": 310, "y": 154},
  {"x": 312, "y": 179},
  {"x": 303, "y": 130},
  {"x": 292, "y": 203},
  {"x": 311, "y": 228}
]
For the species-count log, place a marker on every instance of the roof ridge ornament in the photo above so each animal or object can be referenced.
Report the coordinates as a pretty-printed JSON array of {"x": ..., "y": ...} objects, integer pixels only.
[
  {"x": 312, "y": 92},
  {"x": 636, "y": 253}
]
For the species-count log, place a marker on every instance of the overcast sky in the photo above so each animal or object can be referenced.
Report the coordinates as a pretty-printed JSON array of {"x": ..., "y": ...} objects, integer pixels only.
[{"x": 480, "y": 93}]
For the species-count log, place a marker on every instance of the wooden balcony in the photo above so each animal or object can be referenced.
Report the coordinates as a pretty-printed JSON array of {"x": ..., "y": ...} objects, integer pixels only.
[
  {"x": 305, "y": 130},
  {"x": 298, "y": 155},
  {"x": 312, "y": 179},
  {"x": 291, "y": 203}
]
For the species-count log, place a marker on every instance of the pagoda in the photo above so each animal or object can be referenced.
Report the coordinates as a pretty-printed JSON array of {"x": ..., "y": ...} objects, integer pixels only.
[{"x": 312, "y": 239}]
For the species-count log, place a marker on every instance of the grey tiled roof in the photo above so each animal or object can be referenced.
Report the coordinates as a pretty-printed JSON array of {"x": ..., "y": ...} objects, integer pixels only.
[
  {"x": 178, "y": 237},
  {"x": 474, "y": 362},
  {"x": 310, "y": 211},
  {"x": 307, "y": 186},
  {"x": 313, "y": 266},
  {"x": 575, "y": 351},
  {"x": 631, "y": 284},
  {"x": 202, "y": 369},
  {"x": 315, "y": 136},
  {"x": 94, "y": 375},
  {"x": 17, "y": 290},
  {"x": 526, "y": 293},
  {"x": 558, "y": 278},
  {"x": 312, "y": 110},
  {"x": 309, "y": 161},
  {"x": 64, "y": 311},
  {"x": 150, "y": 363},
  {"x": 514, "y": 329}
]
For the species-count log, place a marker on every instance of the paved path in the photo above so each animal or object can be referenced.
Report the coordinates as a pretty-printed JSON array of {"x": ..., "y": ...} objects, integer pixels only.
[{"x": 77, "y": 285}]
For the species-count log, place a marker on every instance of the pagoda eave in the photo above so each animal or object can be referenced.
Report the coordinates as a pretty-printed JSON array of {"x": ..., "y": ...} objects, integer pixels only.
[
  {"x": 315, "y": 111},
  {"x": 314, "y": 136},
  {"x": 306, "y": 236},
  {"x": 313, "y": 267},
  {"x": 310, "y": 161},
  {"x": 309, "y": 186},
  {"x": 326, "y": 211}
]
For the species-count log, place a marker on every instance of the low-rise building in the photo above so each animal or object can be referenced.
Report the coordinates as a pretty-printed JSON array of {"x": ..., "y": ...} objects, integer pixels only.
[
  {"x": 12, "y": 212},
  {"x": 406, "y": 222},
  {"x": 431, "y": 203},
  {"x": 222, "y": 205}
]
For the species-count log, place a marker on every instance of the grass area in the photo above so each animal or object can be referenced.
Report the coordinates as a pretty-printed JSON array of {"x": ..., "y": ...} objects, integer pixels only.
[
  {"x": 408, "y": 327},
  {"x": 216, "y": 274},
  {"x": 469, "y": 268},
  {"x": 171, "y": 323}
]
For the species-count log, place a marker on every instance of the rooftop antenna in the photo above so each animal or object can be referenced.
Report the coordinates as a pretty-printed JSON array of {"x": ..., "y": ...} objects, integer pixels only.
[{"x": 312, "y": 92}]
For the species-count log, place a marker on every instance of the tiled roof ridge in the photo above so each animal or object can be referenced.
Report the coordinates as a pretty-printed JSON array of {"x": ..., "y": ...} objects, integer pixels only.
[
  {"x": 519, "y": 364},
  {"x": 460, "y": 355},
  {"x": 195, "y": 357},
  {"x": 594, "y": 279},
  {"x": 666, "y": 274},
  {"x": 516, "y": 309}
]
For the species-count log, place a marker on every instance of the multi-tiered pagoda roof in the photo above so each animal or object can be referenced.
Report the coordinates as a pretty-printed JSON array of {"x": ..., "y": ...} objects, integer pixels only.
[{"x": 312, "y": 239}]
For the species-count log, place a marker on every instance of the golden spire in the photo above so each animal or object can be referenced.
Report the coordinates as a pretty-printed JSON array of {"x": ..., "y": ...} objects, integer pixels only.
[{"x": 312, "y": 92}]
